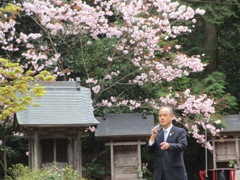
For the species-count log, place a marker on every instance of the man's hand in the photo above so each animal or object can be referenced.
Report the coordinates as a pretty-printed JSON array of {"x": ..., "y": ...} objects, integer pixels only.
[
  {"x": 153, "y": 134},
  {"x": 164, "y": 145}
]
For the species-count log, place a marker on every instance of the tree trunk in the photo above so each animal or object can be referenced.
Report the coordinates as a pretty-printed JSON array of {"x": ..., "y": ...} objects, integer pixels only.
[
  {"x": 4, "y": 152},
  {"x": 210, "y": 45}
]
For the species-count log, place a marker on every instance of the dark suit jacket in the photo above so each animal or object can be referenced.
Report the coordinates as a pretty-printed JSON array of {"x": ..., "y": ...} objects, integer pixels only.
[{"x": 170, "y": 161}]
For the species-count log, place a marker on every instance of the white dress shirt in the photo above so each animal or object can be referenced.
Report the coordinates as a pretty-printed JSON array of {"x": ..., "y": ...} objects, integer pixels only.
[{"x": 168, "y": 130}]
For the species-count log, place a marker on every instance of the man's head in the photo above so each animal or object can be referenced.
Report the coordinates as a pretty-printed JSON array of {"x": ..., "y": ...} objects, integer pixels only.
[{"x": 165, "y": 116}]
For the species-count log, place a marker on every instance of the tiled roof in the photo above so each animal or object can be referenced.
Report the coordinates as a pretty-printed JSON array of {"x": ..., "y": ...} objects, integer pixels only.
[
  {"x": 233, "y": 123},
  {"x": 121, "y": 125},
  {"x": 63, "y": 104}
]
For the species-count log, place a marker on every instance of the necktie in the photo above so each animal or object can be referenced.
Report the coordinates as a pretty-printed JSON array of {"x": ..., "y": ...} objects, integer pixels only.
[{"x": 165, "y": 135}]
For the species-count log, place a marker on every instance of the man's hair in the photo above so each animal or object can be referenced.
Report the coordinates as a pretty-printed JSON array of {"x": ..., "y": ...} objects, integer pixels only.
[{"x": 169, "y": 107}]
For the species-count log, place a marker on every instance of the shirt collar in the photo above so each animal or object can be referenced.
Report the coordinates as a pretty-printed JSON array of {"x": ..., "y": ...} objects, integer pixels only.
[{"x": 169, "y": 128}]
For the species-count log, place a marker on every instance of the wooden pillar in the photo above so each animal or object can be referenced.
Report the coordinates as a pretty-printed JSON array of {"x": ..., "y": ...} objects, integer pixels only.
[
  {"x": 80, "y": 154},
  {"x": 54, "y": 150},
  {"x": 70, "y": 151},
  {"x": 35, "y": 153},
  {"x": 237, "y": 150},
  {"x": 30, "y": 150},
  {"x": 139, "y": 155},
  {"x": 75, "y": 155},
  {"x": 214, "y": 154},
  {"x": 112, "y": 160}
]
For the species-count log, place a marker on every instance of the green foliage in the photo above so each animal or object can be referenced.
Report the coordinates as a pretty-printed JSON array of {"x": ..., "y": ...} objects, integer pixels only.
[
  {"x": 229, "y": 48},
  {"x": 216, "y": 11},
  {"x": 93, "y": 170},
  {"x": 10, "y": 8},
  {"x": 14, "y": 146},
  {"x": 219, "y": 10},
  {"x": 232, "y": 164},
  {"x": 214, "y": 85},
  {"x": 96, "y": 159},
  {"x": 225, "y": 15},
  {"x": 14, "y": 92},
  {"x": 21, "y": 172},
  {"x": 18, "y": 170}
]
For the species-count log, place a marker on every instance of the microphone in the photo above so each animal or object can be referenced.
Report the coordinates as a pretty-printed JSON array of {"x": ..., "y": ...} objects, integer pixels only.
[{"x": 157, "y": 129}]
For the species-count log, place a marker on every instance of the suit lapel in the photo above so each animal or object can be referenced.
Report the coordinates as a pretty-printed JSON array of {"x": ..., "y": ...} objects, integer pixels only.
[
  {"x": 171, "y": 133},
  {"x": 160, "y": 136}
]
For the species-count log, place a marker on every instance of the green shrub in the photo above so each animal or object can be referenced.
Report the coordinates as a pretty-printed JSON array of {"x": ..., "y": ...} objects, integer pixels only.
[
  {"x": 94, "y": 171},
  {"x": 21, "y": 172}
]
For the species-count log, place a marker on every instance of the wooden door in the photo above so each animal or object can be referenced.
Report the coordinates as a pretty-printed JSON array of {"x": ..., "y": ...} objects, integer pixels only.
[
  {"x": 125, "y": 162},
  {"x": 225, "y": 151}
]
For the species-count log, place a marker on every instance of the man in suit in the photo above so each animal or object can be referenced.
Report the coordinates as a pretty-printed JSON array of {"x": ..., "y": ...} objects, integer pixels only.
[{"x": 169, "y": 163}]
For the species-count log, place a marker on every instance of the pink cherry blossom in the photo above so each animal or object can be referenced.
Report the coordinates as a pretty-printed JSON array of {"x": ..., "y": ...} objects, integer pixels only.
[
  {"x": 218, "y": 121},
  {"x": 91, "y": 81},
  {"x": 96, "y": 89},
  {"x": 18, "y": 134}
]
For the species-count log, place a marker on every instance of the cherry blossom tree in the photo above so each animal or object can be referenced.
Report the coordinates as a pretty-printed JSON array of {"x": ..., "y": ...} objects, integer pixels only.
[{"x": 140, "y": 48}]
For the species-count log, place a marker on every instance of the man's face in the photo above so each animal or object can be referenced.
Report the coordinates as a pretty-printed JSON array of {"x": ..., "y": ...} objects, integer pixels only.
[{"x": 165, "y": 118}]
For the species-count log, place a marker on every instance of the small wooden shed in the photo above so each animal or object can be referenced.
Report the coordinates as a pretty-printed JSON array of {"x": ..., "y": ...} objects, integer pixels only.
[
  {"x": 56, "y": 126},
  {"x": 227, "y": 147},
  {"x": 124, "y": 134}
]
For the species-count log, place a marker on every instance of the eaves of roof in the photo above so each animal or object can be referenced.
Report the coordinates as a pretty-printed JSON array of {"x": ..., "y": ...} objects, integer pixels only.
[{"x": 65, "y": 104}]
